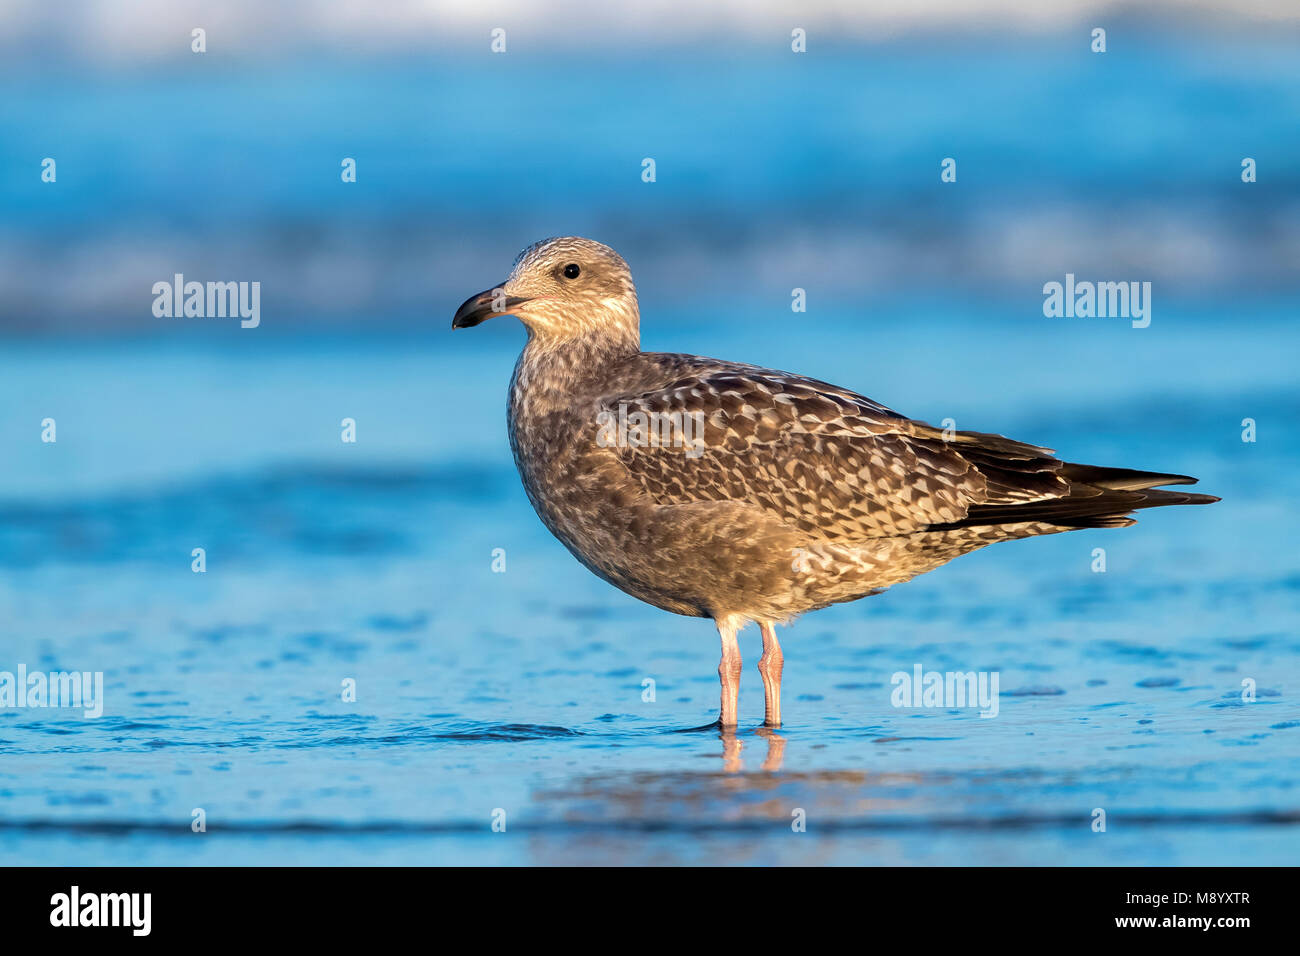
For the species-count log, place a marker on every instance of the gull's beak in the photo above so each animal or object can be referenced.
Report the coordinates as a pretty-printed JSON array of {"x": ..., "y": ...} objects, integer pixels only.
[{"x": 484, "y": 306}]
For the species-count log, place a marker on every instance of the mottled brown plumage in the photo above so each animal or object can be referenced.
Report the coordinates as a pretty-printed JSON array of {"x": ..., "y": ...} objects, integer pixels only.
[{"x": 757, "y": 494}]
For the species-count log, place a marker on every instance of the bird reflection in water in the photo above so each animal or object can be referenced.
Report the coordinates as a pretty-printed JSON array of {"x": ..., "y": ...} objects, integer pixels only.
[{"x": 732, "y": 746}]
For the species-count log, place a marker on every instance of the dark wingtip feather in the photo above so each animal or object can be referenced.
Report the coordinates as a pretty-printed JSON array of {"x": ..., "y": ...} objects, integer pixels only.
[
  {"x": 1120, "y": 479},
  {"x": 1098, "y": 498}
]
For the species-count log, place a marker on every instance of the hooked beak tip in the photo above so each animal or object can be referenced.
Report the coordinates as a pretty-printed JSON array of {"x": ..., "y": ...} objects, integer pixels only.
[{"x": 486, "y": 305}]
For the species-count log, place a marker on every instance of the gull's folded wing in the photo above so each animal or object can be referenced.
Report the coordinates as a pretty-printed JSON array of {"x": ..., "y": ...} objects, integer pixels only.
[{"x": 819, "y": 458}]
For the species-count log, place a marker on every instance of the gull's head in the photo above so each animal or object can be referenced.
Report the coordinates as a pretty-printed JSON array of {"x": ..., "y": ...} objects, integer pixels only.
[{"x": 562, "y": 289}]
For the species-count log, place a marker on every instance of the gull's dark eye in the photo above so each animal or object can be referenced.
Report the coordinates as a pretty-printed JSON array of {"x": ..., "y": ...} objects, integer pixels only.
[{"x": 571, "y": 271}]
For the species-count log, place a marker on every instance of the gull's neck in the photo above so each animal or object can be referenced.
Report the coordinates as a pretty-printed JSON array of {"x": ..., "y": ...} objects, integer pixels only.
[
  {"x": 552, "y": 374},
  {"x": 555, "y": 369}
]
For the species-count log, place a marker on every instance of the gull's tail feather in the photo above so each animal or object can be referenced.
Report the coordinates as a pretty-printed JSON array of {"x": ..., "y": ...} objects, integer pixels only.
[{"x": 1098, "y": 498}]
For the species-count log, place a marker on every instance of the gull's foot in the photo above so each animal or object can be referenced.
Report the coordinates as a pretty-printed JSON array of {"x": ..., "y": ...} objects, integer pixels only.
[{"x": 706, "y": 728}]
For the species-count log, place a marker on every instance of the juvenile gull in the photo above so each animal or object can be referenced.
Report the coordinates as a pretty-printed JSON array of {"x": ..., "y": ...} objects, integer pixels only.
[{"x": 786, "y": 495}]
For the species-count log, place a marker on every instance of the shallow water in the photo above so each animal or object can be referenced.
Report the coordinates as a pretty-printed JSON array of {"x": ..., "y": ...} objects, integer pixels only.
[{"x": 522, "y": 691}]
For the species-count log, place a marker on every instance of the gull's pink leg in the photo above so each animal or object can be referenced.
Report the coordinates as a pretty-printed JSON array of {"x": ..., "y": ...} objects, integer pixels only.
[
  {"x": 729, "y": 669},
  {"x": 770, "y": 665}
]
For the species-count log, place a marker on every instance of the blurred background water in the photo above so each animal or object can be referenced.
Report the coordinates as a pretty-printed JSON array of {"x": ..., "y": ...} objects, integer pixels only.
[{"x": 522, "y": 691}]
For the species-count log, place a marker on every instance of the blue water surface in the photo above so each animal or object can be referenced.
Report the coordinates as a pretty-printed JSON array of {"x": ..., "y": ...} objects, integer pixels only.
[
  {"x": 496, "y": 679},
  {"x": 481, "y": 693}
]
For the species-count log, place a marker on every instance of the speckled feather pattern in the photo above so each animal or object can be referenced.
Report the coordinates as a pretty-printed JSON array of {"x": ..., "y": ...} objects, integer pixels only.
[
  {"x": 804, "y": 494},
  {"x": 800, "y": 494}
]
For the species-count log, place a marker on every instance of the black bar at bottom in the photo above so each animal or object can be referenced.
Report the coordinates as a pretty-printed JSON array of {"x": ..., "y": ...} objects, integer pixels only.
[{"x": 304, "y": 905}]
